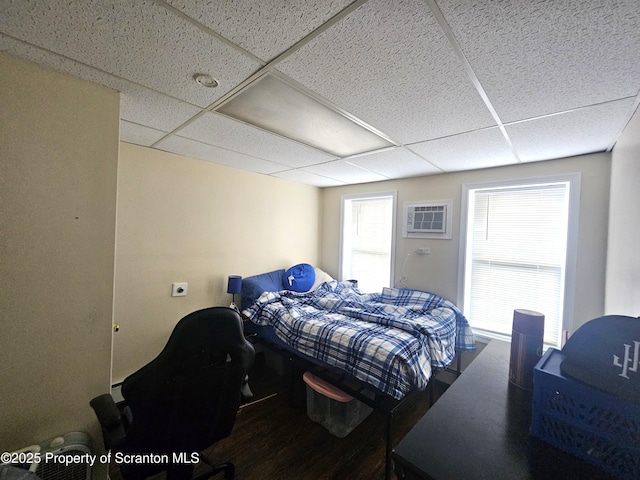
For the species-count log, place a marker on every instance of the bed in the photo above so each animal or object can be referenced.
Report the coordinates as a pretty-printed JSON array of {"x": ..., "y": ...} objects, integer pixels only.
[{"x": 389, "y": 343}]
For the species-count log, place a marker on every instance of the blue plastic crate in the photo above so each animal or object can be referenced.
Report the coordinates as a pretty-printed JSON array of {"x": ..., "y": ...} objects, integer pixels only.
[{"x": 588, "y": 423}]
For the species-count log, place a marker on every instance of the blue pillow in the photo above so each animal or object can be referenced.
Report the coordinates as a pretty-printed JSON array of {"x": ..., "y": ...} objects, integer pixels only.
[
  {"x": 299, "y": 278},
  {"x": 253, "y": 287}
]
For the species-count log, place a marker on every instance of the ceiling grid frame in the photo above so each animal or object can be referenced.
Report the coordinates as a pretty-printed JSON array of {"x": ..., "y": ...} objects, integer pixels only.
[
  {"x": 437, "y": 13},
  {"x": 115, "y": 43}
]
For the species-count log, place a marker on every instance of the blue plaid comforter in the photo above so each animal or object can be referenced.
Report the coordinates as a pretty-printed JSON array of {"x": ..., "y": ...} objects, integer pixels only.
[{"x": 390, "y": 340}]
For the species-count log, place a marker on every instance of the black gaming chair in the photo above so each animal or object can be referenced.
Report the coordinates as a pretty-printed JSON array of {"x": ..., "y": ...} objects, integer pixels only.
[{"x": 183, "y": 401}]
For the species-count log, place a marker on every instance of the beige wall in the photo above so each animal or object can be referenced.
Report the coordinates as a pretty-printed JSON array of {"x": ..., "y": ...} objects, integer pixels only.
[
  {"x": 186, "y": 220},
  {"x": 623, "y": 265},
  {"x": 59, "y": 153},
  {"x": 438, "y": 272}
]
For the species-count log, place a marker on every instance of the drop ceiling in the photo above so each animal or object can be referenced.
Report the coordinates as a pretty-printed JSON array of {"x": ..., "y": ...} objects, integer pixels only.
[{"x": 452, "y": 84}]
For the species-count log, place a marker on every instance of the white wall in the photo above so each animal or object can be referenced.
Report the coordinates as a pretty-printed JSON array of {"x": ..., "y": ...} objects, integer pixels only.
[
  {"x": 623, "y": 265},
  {"x": 438, "y": 272},
  {"x": 59, "y": 144}
]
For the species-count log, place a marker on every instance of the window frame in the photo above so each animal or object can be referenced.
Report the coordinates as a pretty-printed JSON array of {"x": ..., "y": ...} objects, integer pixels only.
[
  {"x": 364, "y": 196},
  {"x": 574, "y": 181}
]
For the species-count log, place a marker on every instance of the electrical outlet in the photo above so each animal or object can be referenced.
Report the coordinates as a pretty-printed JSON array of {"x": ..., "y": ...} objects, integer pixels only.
[{"x": 179, "y": 289}]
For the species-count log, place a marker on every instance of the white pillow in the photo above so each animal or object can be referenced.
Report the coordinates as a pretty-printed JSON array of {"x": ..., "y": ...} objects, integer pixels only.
[{"x": 321, "y": 277}]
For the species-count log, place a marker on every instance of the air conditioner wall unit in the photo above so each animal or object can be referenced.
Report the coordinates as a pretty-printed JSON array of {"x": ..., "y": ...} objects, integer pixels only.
[{"x": 429, "y": 219}]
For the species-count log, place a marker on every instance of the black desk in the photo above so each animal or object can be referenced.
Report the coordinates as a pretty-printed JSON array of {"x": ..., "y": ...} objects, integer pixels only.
[{"x": 479, "y": 429}]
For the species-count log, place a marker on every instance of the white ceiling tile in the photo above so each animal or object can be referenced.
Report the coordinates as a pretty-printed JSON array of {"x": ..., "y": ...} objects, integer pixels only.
[
  {"x": 467, "y": 151},
  {"x": 137, "y": 104},
  {"x": 138, "y": 41},
  {"x": 538, "y": 57},
  {"x": 265, "y": 29},
  {"x": 395, "y": 163},
  {"x": 224, "y": 132},
  {"x": 58, "y": 63},
  {"x": 194, "y": 149},
  {"x": 586, "y": 130},
  {"x": 147, "y": 107},
  {"x": 390, "y": 64},
  {"x": 139, "y": 134},
  {"x": 345, "y": 172},
  {"x": 307, "y": 178}
]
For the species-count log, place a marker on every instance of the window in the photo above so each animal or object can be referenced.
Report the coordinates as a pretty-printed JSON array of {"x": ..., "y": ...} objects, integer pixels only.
[
  {"x": 518, "y": 251},
  {"x": 368, "y": 232}
]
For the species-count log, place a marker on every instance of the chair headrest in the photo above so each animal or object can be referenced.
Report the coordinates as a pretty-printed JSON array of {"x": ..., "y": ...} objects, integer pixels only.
[{"x": 212, "y": 334}]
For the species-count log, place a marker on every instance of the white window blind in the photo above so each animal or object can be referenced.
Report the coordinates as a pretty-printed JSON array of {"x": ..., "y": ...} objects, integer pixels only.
[
  {"x": 516, "y": 255},
  {"x": 367, "y": 239}
]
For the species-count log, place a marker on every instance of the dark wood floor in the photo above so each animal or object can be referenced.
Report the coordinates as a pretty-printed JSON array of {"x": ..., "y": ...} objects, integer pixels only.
[{"x": 273, "y": 440}]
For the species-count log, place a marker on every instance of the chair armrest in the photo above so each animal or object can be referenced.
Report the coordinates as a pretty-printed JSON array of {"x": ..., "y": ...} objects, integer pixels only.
[{"x": 110, "y": 419}]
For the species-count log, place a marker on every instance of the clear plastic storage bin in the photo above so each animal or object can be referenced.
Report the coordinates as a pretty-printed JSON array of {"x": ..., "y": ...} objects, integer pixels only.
[{"x": 332, "y": 408}]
